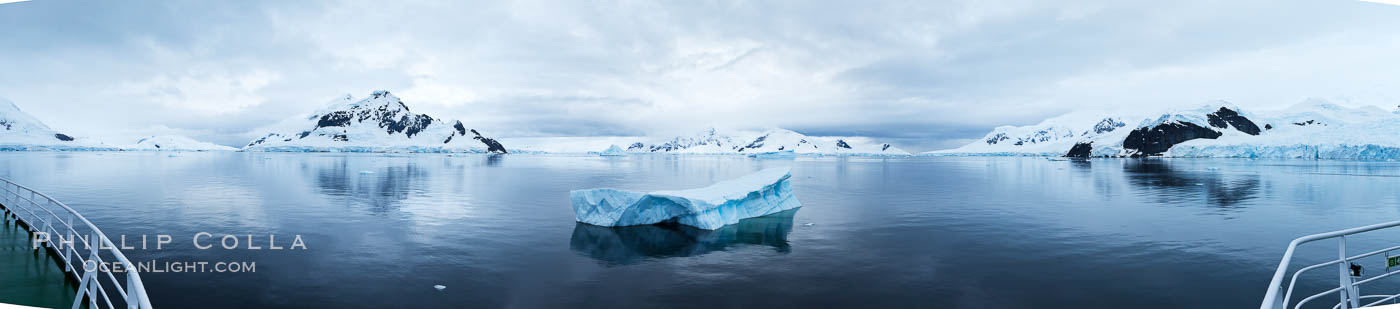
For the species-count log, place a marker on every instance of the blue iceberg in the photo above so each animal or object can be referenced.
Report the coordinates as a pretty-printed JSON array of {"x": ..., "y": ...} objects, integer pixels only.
[{"x": 758, "y": 194}]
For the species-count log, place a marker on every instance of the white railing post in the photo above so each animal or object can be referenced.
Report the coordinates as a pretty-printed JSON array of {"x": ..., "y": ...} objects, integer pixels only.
[{"x": 1342, "y": 273}]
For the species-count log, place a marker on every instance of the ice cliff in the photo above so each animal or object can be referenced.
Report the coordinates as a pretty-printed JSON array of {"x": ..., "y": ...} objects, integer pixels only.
[{"x": 758, "y": 194}]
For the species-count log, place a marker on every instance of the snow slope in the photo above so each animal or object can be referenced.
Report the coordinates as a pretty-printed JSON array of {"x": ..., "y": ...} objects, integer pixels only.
[
  {"x": 20, "y": 131},
  {"x": 378, "y": 123},
  {"x": 765, "y": 192}
]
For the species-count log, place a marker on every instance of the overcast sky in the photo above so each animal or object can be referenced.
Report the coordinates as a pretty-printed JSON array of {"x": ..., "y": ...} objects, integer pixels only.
[{"x": 923, "y": 74}]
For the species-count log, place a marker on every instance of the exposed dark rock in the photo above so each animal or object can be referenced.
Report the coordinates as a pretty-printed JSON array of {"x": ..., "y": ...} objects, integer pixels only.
[
  {"x": 997, "y": 138},
  {"x": 260, "y": 140},
  {"x": 1268, "y": 126},
  {"x": 303, "y": 134},
  {"x": 449, "y": 139},
  {"x": 886, "y": 147},
  {"x": 63, "y": 137},
  {"x": 491, "y": 144},
  {"x": 1158, "y": 139},
  {"x": 408, "y": 125},
  {"x": 1080, "y": 150},
  {"x": 842, "y": 144},
  {"x": 1305, "y": 123},
  {"x": 757, "y": 143},
  {"x": 340, "y": 137},
  {"x": 461, "y": 130},
  {"x": 637, "y": 146},
  {"x": 1227, "y": 116},
  {"x": 335, "y": 119}
]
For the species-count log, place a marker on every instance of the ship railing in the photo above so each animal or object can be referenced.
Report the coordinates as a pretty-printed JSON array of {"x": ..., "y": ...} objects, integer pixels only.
[
  {"x": 1349, "y": 274},
  {"x": 106, "y": 278}
]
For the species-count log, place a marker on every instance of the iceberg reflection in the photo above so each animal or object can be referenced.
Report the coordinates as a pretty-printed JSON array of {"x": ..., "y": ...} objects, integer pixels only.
[{"x": 633, "y": 244}]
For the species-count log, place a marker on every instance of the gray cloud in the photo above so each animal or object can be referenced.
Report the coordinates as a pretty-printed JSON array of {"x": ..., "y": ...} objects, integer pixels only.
[{"x": 922, "y": 74}]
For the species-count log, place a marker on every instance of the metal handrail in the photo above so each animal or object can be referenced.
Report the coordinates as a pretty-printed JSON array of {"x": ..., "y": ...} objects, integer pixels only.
[
  {"x": 1346, "y": 285},
  {"x": 132, "y": 295}
]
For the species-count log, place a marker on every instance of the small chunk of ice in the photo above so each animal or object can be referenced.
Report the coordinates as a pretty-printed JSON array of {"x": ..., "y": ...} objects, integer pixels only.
[{"x": 439, "y": 287}]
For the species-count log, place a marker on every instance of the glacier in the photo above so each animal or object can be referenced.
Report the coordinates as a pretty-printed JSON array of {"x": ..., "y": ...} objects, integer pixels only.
[{"x": 762, "y": 193}]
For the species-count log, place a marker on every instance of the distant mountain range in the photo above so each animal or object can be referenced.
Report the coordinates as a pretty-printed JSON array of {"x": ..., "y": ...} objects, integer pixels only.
[
  {"x": 381, "y": 122},
  {"x": 1314, "y": 129},
  {"x": 715, "y": 142},
  {"x": 24, "y": 132}
]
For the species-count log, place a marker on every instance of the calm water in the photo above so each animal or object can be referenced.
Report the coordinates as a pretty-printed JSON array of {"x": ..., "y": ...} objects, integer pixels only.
[{"x": 498, "y": 231}]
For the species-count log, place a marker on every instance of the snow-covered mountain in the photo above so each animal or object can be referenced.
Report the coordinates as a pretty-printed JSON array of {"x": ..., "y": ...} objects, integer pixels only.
[
  {"x": 378, "y": 123},
  {"x": 1049, "y": 137},
  {"x": 20, "y": 131},
  {"x": 1314, "y": 128},
  {"x": 786, "y": 140},
  {"x": 713, "y": 141},
  {"x": 175, "y": 143}
]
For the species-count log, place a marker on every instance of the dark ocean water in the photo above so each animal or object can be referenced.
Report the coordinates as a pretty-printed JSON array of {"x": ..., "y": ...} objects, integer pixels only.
[{"x": 498, "y": 231}]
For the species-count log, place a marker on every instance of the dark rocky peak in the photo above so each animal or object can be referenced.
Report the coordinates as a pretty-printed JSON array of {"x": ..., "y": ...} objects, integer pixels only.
[
  {"x": 492, "y": 145},
  {"x": 1225, "y": 118},
  {"x": 381, "y": 108},
  {"x": 461, "y": 130},
  {"x": 842, "y": 144},
  {"x": 63, "y": 137}
]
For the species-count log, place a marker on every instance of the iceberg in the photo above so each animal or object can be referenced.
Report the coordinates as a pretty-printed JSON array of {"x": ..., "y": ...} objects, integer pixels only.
[{"x": 765, "y": 192}]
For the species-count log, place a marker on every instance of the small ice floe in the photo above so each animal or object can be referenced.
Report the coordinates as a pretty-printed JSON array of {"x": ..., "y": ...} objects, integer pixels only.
[
  {"x": 809, "y": 224},
  {"x": 1200, "y": 184},
  {"x": 439, "y": 287},
  {"x": 366, "y": 172}
]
